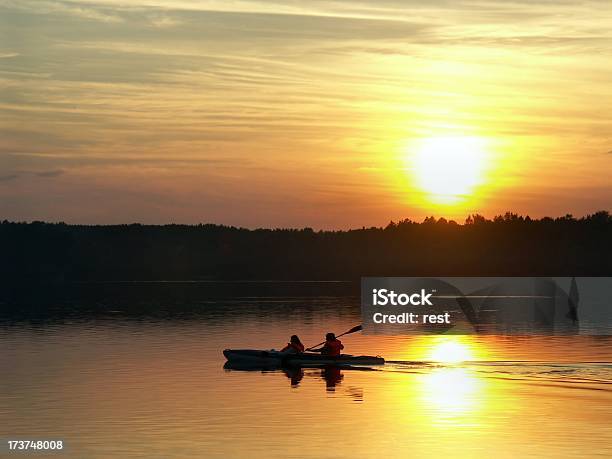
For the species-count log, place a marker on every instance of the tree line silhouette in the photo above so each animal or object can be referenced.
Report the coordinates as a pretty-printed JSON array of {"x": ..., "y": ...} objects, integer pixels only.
[{"x": 507, "y": 245}]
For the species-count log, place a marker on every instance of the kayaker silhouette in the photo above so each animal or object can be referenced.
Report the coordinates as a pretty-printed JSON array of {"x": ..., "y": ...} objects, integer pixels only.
[
  {"x": 294, "y": 346},
  {"x": 332, "y": 346}
]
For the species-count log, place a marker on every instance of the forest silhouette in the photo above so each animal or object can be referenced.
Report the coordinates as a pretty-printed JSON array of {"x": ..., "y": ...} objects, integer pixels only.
[{"x": 507, "y": 245}]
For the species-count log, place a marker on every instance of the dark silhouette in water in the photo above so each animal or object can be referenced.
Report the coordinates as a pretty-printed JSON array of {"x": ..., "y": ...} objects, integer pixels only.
[
  {"x": 333, "y": 376},
  {"x": 572, "y": 302},
  {"x": 295, "y": 374}
]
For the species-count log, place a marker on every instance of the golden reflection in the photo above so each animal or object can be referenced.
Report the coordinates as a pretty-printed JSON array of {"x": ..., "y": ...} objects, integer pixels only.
[
  {"x": 452, "y": 391},
  {"x": 454, "y": 407}
]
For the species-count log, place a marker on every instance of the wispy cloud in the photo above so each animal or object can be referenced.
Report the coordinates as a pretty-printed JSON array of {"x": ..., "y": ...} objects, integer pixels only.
[
  {"x": 82, "y": 10},
  {"x": 164, "y": 21},
  {"x": 25, "y": 173},
  {"x": 285, "y": 99},
  {"x": 52, "y": 173}
]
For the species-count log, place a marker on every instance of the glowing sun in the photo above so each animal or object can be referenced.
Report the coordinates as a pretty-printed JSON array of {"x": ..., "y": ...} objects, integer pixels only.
[
  {"x": 451, "y": 352},
  {"x": 448, "y": 169}
]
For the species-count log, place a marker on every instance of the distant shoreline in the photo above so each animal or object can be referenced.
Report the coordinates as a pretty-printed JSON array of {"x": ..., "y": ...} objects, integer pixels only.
[
  {"x": 469, "y": 220},
  {"x": 508, "y": 245}
]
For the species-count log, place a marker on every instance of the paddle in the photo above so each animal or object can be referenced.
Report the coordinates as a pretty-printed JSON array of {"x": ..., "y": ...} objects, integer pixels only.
[{"x": 352, "y": 330}]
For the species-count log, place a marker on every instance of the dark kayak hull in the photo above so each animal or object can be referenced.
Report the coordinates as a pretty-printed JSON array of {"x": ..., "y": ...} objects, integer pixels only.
[{"x": 277, "y": 358}]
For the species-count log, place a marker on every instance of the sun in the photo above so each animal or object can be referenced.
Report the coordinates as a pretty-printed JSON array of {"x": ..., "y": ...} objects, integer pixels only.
[
  {"x": 451, "y": 352},
  {"x": 448, "y": 169}
]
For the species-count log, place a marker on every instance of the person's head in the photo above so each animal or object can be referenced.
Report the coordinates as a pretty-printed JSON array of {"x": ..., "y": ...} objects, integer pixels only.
[
  {"x": 295, "y": 339},
  {"x": 330, "y": 337}
]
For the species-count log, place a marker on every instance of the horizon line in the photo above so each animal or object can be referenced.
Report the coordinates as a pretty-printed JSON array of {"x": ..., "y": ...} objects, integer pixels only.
[{"x": 470, "y": 219}]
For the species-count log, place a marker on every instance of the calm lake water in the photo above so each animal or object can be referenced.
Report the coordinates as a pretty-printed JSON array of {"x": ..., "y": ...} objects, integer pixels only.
[{"x": 123, "y": 384}]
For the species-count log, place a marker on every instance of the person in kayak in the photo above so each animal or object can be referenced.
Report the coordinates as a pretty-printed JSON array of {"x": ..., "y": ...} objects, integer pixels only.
[
  {"x": 332, "y": 346},
  {"x": 294, "y": 346}
]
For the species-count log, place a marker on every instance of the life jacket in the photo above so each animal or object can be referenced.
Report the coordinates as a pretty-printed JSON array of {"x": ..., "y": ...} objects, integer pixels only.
[
  {"x": 292, "y": 347},
  {"x": 333, "y": 347}
]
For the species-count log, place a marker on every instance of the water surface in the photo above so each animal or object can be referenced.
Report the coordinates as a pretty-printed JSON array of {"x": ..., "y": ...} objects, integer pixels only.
[{"x": 120, "y": 384}]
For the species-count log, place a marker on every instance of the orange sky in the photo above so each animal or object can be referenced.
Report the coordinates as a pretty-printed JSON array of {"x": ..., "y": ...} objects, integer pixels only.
[{"x": 323, "y": 114}]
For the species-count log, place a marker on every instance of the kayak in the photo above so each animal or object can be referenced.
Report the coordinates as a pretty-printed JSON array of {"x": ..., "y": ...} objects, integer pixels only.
[
  {"x": 307, "y": 358},
  {"x": 256, "y": 356},
  {"x": 246, "y": 365}
]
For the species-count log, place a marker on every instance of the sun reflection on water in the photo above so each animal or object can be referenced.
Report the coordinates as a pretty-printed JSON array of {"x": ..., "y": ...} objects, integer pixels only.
[{"x": 451, "y": 392}]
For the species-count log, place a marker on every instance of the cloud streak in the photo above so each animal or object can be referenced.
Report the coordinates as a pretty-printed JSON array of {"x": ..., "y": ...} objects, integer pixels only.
[{"x": 295, "y": 99}]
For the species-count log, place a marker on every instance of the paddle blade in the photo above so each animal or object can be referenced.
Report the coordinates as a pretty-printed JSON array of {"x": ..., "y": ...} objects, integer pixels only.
[{"x": 354, "y": 329}]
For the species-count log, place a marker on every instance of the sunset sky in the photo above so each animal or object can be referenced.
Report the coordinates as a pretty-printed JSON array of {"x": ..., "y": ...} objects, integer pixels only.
[{"x": 326, "y": 114}]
